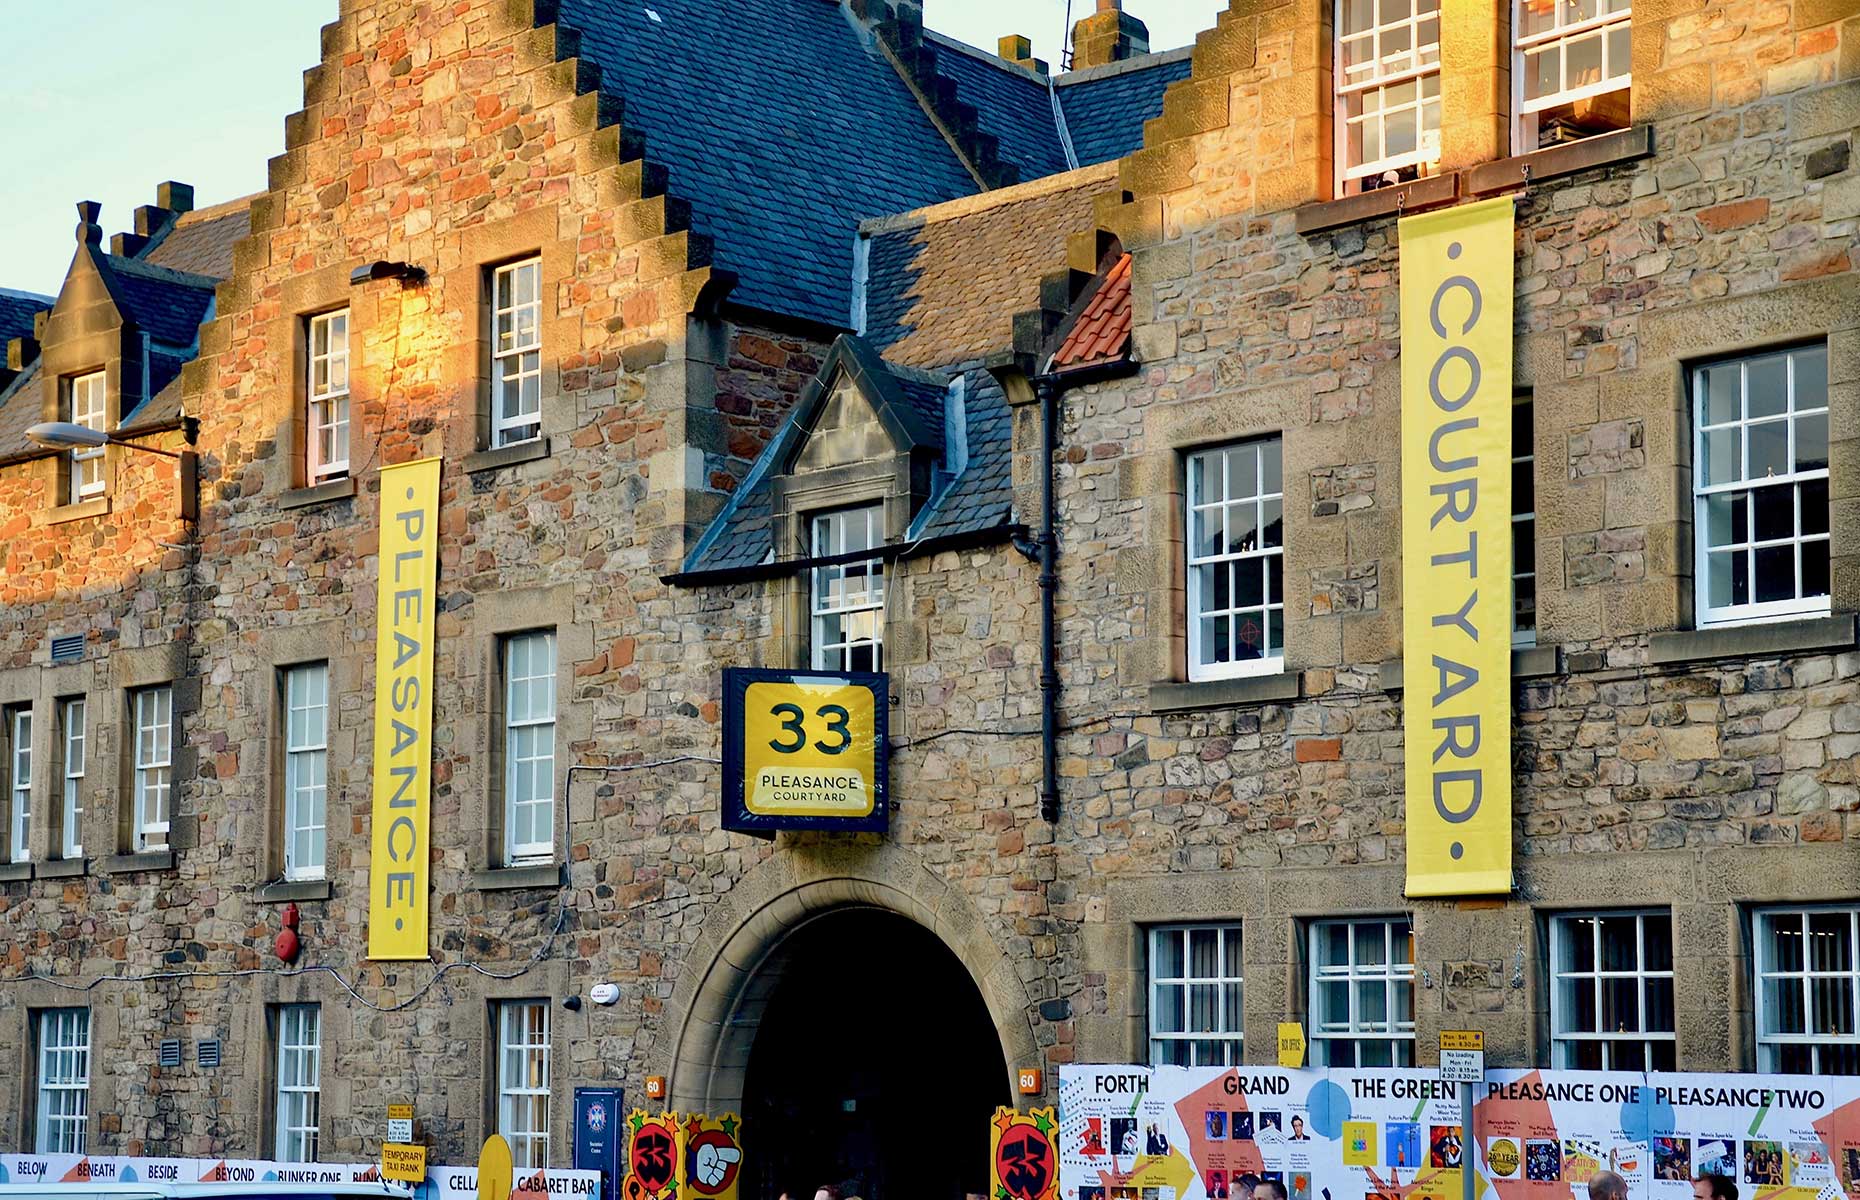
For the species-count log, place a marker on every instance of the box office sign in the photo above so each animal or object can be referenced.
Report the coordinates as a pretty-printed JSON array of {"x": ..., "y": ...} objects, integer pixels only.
[
  {"x": 1456, "y": 319},
  {"x": 804, "y": 750}
]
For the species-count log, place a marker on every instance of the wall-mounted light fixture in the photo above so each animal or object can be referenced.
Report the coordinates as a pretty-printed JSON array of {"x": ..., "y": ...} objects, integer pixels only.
[
  {"x": 66, "y": 435},
  {"x": 408, "y": 274}
]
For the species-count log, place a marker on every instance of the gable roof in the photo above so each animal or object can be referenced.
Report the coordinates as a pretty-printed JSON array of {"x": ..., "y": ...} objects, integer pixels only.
[
  {"x": 17, "y": 312},
  {"x": 782, "y": 124},
  {"x": 201, "y": 242}
]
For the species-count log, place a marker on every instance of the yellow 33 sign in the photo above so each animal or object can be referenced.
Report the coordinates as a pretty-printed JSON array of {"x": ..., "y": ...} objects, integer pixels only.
[{"x": 804, "y": 750}]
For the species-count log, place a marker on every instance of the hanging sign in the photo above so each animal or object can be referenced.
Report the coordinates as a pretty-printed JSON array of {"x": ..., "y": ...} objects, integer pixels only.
[
  {"x": 1292, "y": 1045},
  {"x": 804, "y": 750},
  {"x": 1456, "y": 333},
  {"x": 406, "y": 590}
]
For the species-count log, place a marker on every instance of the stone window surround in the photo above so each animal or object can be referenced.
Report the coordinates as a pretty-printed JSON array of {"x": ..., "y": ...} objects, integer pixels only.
[
  {"x": 58, "y": 465},
  {"x": 492, "y": 617},
  {"x": 31, "y": 997},
  {"x": 45, "y": 687},
  {"x": 1470, "y": 136},
  {"x": 476, "y": 1023},
  {"x": 130, "y": 671},
  {"x": 308, "y": 295},
  {"x": 1710, "y": 893},
  {"x": 465, "y": 293},
  {"x": 328, "y": 642},
  {"x": 255, "y": 1091}
]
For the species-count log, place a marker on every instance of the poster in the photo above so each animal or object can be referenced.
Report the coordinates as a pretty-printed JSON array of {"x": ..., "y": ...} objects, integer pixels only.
[
  {"x": 1023, "y": 1155},
  {"x": 1175, "y": 1133},
  {"x": 1456, "y": 345},
  {"x": 441, "y": 1182}
]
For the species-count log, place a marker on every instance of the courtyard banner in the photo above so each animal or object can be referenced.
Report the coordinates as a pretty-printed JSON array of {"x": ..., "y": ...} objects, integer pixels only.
[
  {"x": 406, "y": 592},
  {"x": 1456, "y": 318}
]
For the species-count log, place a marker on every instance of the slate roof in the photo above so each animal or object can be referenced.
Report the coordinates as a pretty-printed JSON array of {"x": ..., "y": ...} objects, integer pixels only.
[
  {"x": 167, "y": 305},
  {"x": 943, "y": 286},
  {"x": 1106, "y": 107},
  {"x": 201, "y": 242},
  {"x": 782, "y": 124},
  {"x": 1011, "y": 103},
  {"x": 17, "y": 310}
]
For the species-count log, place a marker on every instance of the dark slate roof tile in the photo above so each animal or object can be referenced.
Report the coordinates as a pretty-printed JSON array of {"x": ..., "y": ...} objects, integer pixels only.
[
  {"x": 167, "y": 305},
  {"x": 1106, "y": 107},
  {"x": 17, "y": 310},
  {"x": 1011, "y": 103},
  {"x": 781, "y": 124}
]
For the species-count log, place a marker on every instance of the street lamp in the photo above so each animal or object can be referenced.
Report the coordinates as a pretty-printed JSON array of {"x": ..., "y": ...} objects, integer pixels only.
[{"x": 67, "y": 435}]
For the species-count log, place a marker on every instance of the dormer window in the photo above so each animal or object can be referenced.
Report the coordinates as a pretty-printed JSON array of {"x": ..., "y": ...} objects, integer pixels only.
[
  {"x": 848, "y": 599},
  {"x": 86, "y": 404}
]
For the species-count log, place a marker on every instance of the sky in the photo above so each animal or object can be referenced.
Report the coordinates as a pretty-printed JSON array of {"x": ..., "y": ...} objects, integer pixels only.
[{"x": 197, "y": 90}]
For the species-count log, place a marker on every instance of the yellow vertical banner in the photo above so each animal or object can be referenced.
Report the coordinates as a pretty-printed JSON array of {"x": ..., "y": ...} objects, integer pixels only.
[
  {"x": 1456, "y": 337},
  {"x": 406, "y": 589}
]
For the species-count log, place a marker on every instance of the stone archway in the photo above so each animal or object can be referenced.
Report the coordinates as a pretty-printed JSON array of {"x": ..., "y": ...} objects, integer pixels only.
[{"x": 737, "y": 962}]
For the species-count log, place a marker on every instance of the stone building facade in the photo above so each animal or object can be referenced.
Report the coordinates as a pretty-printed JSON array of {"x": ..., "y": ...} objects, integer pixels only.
[{"x": 1684, "y": 784}]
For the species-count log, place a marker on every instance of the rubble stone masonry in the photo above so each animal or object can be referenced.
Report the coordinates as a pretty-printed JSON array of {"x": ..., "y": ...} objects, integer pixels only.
[{"x": 1656, "y": 764}]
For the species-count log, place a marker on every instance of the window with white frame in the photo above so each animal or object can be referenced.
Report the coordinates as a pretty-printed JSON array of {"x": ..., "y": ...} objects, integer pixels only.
[
  {"x": 1523, "y": 525},
  {"x": 1761, "y": 485},
  {"x": 516, "y": 352},
  {"x": 1611, "y": 991},
  {"x": 63, "y": 1109},
  {"x": 1195, "y": 996},
  {"x": 73, "y": 716},
  {"x": 306, "y": 769},
  {"x": 529, "y": 747},
  {"x": 1808, "y": 988},
  {"x": 19, "y": 780},
  {"x": 1388, "y": 92},
  {"x": 88, "y": 409},
  {"x": 1571, "y": 68},
  {"x": 300, "y": 1054},
  {"x": 1362, "y": 993},
  {"x": 153, "y": 711},
  {"x": 326, "y": 434},
  {"x": 1236, "y": 560},
  {"x": 523, "y": 1080},
  {"x": 848, "y": 599}
]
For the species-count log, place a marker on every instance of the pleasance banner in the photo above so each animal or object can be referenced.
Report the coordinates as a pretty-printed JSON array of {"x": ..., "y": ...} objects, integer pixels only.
[
  {"x": 1456, "y": 321},
  {"x": 406, "y": 593}
]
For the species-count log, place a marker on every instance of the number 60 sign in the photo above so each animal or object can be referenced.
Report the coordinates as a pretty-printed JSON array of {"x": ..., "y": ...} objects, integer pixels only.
[{"x": 804, "y": 750}]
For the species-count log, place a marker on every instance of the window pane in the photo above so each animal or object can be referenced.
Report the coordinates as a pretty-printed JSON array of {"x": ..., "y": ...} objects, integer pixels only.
[{"x": 1767, "y": 381}]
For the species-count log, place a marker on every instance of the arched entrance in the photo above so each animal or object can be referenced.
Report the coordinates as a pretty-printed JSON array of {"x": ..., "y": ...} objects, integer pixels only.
[
  {"x": 829, "y": 960},
  {"x": 874, "y": 1064}
]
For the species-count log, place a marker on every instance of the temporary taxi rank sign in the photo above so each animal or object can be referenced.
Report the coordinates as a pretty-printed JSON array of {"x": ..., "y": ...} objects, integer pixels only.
[{"x": 805, "y": 750}]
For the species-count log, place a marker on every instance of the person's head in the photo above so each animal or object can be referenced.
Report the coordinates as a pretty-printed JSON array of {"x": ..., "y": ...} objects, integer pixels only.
[
  {"x": 1244, "y": 1185},
  {"x": 1298, "y": 1123},
  {"x": 828, "y": 1191},
  {"x": 1270, "y": 1189},
  {"x": 1714, "y": 1187},
  {"x": 1606, "y": 1185}
]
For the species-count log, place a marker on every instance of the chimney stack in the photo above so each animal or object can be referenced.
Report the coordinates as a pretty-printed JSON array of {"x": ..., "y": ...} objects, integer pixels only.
[
  {"x": 1018, "y": 50},
  {"x": 1107, "y": 36}
]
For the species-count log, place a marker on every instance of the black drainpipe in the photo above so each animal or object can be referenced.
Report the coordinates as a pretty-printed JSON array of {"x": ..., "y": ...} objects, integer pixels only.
[{"x": 1048, "y": 388}]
